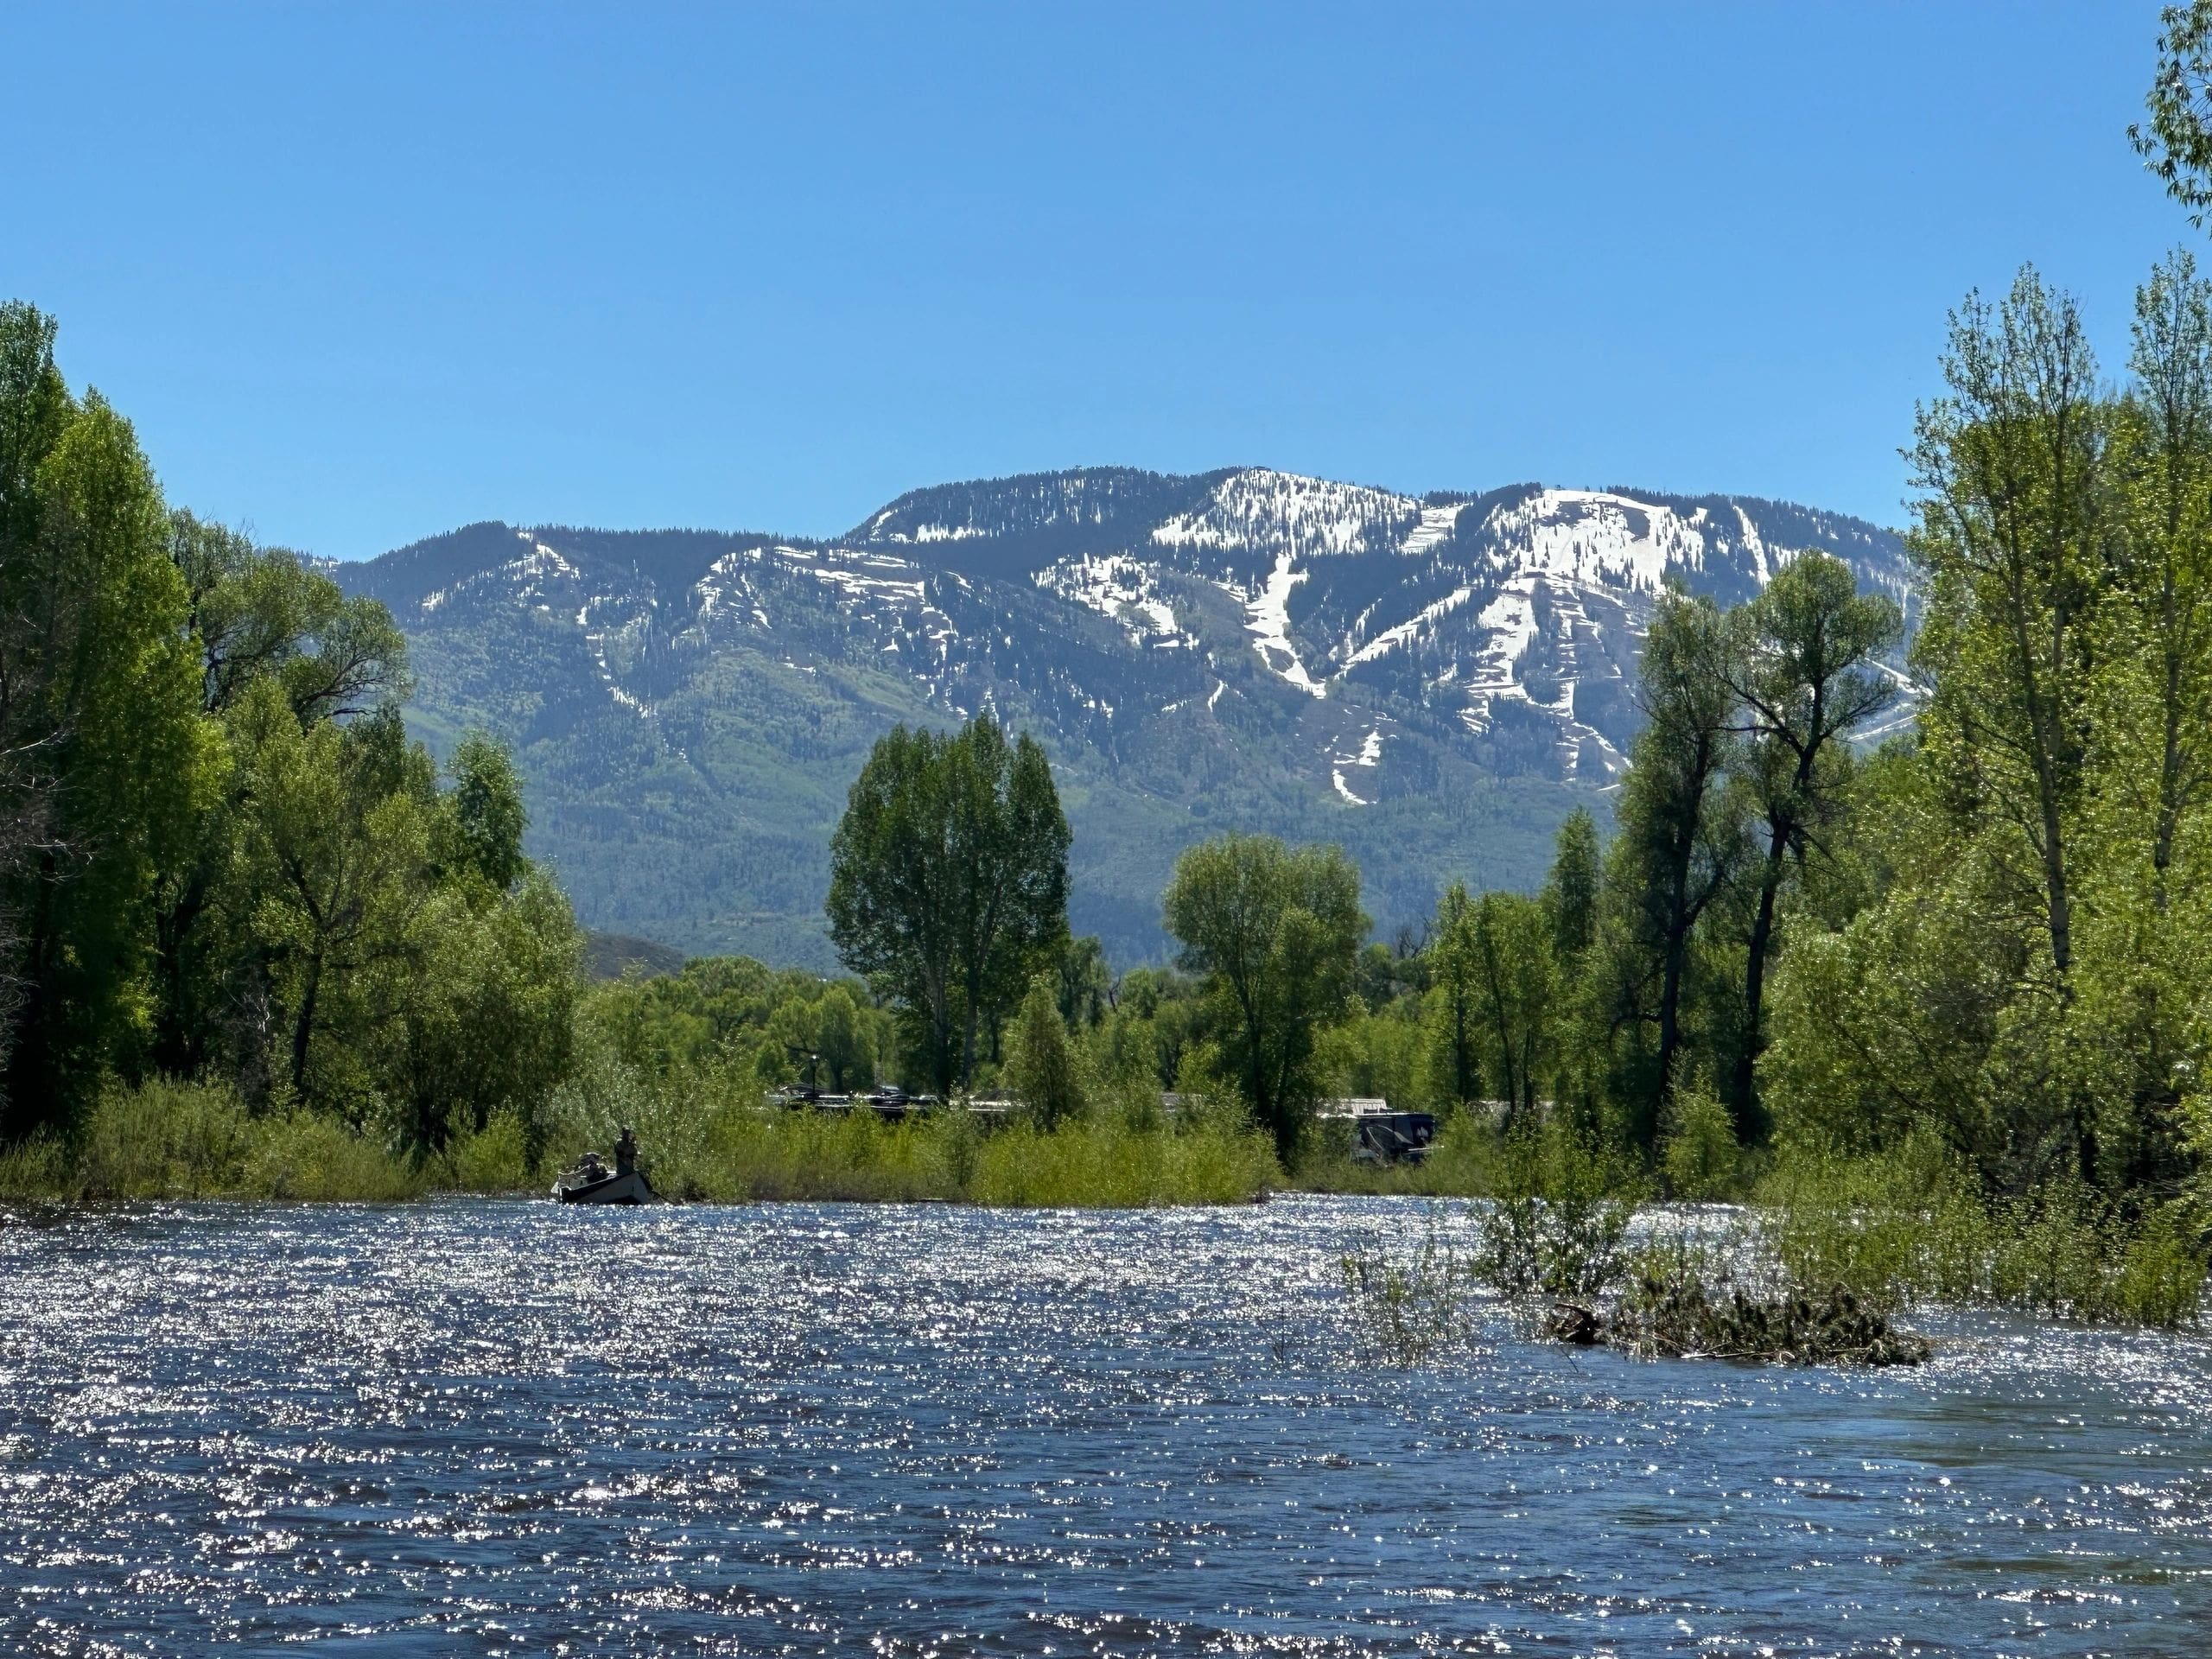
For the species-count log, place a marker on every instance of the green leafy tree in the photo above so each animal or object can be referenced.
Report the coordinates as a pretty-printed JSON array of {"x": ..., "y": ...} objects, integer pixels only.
[
  {"x": 1454, "y": 1033},
  {"x": 948, "y": 878},
  {"x": 2176, "y": 144},
  {"x": 1085, "y": 988},
  {"x": 481, "y": 1009},
  {"x": 1802, "y": 662},
  {"x": 1680, "y": 842},
  {"x": 1276, "y": 933},
  {"x": 1042, "y": 1068},
  {"x": 337, "y": 837},
  {"x": 484, "y": 818},
  {"x": 2013, "y": 523},
  {"x": 1571, "y": 891},
  {"x": 103, "y": 758},
  {"x": 255, "y": 614},
  {"x": 1516, "y": 984}
]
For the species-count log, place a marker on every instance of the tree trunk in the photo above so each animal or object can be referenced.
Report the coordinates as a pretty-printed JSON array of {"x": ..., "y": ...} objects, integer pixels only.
[
  {"x": 303, "y": 1026},
  {"x": 1744, "y": 1096}
]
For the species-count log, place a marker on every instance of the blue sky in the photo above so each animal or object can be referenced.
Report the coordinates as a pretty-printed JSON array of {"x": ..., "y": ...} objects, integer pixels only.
[{"x": 362, "y": 274}]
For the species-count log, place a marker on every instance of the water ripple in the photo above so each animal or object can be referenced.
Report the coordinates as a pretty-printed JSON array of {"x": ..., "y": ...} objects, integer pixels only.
[{"x": 506, "y": 1427}]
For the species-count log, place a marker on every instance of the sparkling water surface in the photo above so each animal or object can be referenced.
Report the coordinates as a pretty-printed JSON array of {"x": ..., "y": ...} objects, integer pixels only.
[{"x": 507, "y": 1427}]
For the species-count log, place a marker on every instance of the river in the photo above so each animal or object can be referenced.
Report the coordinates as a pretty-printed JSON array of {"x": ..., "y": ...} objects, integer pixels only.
[{"x": 506, "y": 1427}]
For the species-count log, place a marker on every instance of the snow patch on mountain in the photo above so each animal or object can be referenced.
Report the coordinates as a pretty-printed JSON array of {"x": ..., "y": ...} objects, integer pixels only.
[
  {"x": 1116, "y": 585},
  {"x": 1597, "y": 537},
  {"x": 1370, "y": 755},
  {"x": 1417, "y": 626},
  {"x": 1435, "y": 527},
  {"x": 1268, "y": 619},
  {"x": 1259, "y": 511}
]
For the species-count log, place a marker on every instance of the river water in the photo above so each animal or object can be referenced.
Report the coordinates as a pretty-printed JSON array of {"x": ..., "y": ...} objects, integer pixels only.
[{"x": 506, "y": 1427}]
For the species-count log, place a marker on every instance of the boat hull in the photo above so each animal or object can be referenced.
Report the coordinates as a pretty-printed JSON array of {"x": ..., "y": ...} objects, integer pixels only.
[{"x": 627, "y": 1187}]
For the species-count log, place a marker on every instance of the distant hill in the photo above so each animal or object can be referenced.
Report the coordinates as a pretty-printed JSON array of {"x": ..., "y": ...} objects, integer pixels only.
[
  {"x": 1433, "y": 683},
  {"x": 613, "y": 956}
]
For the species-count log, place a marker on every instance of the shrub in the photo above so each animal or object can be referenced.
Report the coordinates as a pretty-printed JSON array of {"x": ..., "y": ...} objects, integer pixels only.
[
  {"x": 307, "y": 1156},
  {"x": 496, "y": 1159},
  {"x": 1409, "y": 1310},
  {"x": 1698, "y": 1156}
]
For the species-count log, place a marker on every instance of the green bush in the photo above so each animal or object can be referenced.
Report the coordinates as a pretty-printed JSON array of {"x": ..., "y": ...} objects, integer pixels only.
[
  {"x": 309, "y": 1156},
  {"x": 496, "y": 1159},
  {"x": 1910, "y": 1226},
  {"x": 1698, "y": 1156}
]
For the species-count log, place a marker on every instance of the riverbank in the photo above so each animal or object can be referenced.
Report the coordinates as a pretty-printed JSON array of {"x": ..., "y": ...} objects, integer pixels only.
[
  {"x": 172, "y": 1140},
  {"x": 1905, "y": 1230}
]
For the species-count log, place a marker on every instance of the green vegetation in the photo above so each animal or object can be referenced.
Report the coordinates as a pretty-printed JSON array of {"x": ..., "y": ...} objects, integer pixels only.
[
  {"x": 948, "y": 881},
  {"x": 1938, "y": 1007},
  {"x": 222, "y": 859}
]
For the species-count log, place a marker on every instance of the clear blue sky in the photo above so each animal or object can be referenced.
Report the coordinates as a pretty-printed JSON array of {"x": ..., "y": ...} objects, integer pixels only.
[{"x": 364, "y": 273}]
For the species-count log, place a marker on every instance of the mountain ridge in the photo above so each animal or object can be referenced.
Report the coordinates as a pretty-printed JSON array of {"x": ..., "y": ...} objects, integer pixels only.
[{"x": 1431, "y": 681}]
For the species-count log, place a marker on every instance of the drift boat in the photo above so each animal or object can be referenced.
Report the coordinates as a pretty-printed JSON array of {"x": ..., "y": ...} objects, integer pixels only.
[{"x": 590, "y": 1181}]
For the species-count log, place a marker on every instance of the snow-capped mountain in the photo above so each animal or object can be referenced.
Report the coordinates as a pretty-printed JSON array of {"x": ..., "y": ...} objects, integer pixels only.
[{"x": 1431, "y": 681}]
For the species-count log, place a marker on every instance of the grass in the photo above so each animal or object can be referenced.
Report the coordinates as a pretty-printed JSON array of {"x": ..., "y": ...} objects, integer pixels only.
[{"x": 704, "y": 1139}]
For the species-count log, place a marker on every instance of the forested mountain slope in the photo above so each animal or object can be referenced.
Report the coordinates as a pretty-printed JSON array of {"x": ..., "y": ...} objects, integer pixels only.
[{"x": 1431, "y": 682}]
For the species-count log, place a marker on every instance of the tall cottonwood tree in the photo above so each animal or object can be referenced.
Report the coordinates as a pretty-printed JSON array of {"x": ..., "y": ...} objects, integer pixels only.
[
  {"x": 2013, "y": 537},
  {"x": 1516, "y": 984},
  {"x": 1678, "y": 844},
  {"x": 1801, "y": 659},
  {"x": 2010, "y": 538},
  {"x": 1455, "y": 1054},
  {"x": 102, "y": 755},
  {"x": 1276, "y": 932},
  {"x": 947, "y": 880}
]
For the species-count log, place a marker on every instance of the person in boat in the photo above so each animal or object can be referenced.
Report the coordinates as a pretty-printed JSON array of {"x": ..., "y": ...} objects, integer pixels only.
[{"x": 625, "y": 1152}]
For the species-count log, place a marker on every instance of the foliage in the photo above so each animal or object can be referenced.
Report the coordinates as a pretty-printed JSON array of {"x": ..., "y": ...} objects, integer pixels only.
[
  {"x": 1276, "y": 933},
  {"x": 1409, "y": 1310},
  {"x": 1042, "y": 1068},
  {"x": 1699, "y": 1155},
  {"x": 1557, "y": 1226},
  {"x": 2176, "y": 145},
  {"x": 221, "y": 857},
  {"x": 103, "y": 756},
  {"x": 948, "y": 881}
]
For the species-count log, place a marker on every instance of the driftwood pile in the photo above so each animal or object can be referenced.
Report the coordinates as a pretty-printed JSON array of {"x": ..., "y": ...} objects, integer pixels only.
[{"x": 1677, "y": 1317}]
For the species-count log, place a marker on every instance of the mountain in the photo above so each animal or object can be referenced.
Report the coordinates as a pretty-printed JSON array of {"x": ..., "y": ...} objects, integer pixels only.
[{"x": 1432, "y": 681}]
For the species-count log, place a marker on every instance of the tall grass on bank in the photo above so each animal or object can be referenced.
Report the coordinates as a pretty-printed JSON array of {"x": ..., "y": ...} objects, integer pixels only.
[
  {"x": 713, "y": 1138},
  {"x": 1460, "y": 1164},
  {"x": 170, "y": 1139},
  {"x": 1909, "y": 1226},
  {"x": 703, "y": 1138}
]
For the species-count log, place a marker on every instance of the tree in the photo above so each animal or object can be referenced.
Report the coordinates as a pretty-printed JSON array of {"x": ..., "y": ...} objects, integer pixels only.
[
  {"x": 1041, "y": 1067},
  {"x": 1515, "y": 985},
  {"x": 1455, "y": 1058},
  {"x": 338, "y": 833},
  {"x": 479, "y": 1012},
  {"x": 254, "y": 613},
  {"x": 102, "y": 756},
  {"x": 2008, "y": 538},
  {"x": 1085, "y": 988},
  {"x": 1802, "y": 662},
  {"x": 1678, "y": 844},
  {"x": 1276, "y": 932},
  {"x": 485, "y": 818},
  {"x": 2178, "y": 144},
  {"x": 2011, "y": 532},
  {"x": 1571, "y": 892},
  {"x": 948, "y": 878}
]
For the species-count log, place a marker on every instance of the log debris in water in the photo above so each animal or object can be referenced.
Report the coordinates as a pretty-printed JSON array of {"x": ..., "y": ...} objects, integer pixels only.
[{"x": 1679, "y": 1318}]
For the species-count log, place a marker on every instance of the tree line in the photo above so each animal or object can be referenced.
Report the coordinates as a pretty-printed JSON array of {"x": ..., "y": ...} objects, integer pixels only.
[{"x": 220, "y": 854}]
